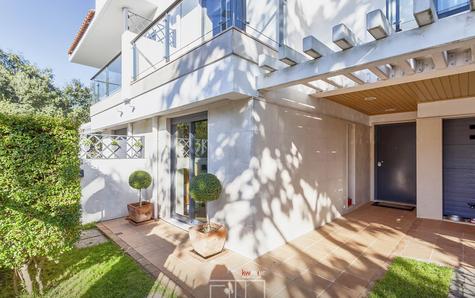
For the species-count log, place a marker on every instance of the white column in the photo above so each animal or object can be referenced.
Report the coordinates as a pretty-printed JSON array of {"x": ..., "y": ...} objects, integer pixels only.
[
  {"x": 154, "y": 164},
  {"x": 125, "y": 18},
  {"x": 429, "y": 168}
]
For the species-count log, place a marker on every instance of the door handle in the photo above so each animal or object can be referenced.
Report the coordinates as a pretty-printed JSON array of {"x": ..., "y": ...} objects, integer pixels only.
[{"x": 380, "y": 163}]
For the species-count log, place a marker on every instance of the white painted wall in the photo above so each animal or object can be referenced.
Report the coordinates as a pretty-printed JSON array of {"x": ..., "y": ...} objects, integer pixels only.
[
  {"x": 105, "y": 187},
  {"x": 284, "y": 171},
  {"x": 318, "y": 17},
  {"x": 429, "y": 168},
  {"x": 220, "y": 69}
]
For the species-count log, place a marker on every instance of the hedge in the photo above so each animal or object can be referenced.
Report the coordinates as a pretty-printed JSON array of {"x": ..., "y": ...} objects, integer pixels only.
[{"x": 39, "y": 188}]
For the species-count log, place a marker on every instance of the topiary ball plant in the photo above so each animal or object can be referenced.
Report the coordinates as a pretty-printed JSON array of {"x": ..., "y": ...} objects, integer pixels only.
[
  {"x": 140, "y": 180},
  {"x": 205, "y": 188}
]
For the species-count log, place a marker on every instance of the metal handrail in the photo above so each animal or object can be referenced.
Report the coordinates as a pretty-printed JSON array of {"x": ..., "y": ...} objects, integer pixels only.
[{"x": 156, "y": 20}]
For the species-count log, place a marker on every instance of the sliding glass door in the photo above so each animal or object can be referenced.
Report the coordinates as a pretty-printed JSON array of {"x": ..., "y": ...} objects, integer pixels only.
[{"x": 189, "y": 157}]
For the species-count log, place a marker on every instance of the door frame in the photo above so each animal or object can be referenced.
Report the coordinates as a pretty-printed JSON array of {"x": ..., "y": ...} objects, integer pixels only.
[
  {"x": 173, "y": 121},
  {"x": 398, "y": 118}
]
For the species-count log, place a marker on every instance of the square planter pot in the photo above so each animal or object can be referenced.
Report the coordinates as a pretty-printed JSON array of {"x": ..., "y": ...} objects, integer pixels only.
[
  {"x": 139, "y": 214},
  {"x": 208, "y": 244}
]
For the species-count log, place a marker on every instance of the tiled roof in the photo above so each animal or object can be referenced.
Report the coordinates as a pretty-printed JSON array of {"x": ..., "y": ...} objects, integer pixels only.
[{"x": 82, "y": 30}]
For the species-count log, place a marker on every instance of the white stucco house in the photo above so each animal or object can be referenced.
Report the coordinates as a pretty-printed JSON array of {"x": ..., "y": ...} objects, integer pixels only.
[{"x": 304, "y": 109}]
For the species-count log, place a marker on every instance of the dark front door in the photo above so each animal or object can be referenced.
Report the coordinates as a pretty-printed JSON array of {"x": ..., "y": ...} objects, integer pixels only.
[
  {"x": 395, "y": 163},
  {"x": 459, "y": 167},
  {"x": 189, "y": 157}
]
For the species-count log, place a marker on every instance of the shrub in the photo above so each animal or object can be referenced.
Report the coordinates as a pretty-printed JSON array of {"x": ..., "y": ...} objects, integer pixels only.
[
  {"x": 39, "y": 191},
  {"x": 205, "y": 188},
  {"x": 140, "y": 180}
]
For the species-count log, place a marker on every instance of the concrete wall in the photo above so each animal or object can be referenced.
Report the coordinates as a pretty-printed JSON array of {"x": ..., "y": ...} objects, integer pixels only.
[
  {"x": 284, "y": 171},
  {"x": 105, "y": 187},
  {"x": 220, "y": 69},
  {"x": 429, "y": 168},
  {"x": 318, "y": 17}
]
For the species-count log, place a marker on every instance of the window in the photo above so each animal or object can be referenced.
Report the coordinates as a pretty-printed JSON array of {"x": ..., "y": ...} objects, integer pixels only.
[
  {"x": 449, "y": 7},
  {"x": 400, "y": 12}
]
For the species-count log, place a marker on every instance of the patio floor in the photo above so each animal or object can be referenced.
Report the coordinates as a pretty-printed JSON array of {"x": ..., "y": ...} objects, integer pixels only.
[{"x": 341, "y": 259}]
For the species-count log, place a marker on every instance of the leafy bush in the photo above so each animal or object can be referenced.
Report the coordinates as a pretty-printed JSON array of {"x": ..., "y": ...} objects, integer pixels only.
[
  {"x": 205, "y": 188},
  {"x": 140, "y": 180},
  {"x": 39, "y": 191}
]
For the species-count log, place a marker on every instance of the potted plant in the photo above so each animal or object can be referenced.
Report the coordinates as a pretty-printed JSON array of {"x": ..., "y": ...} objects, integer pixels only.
[
  {"x": 115, "y": 145},
  {"x": 208, "y": 238},
  {"x": 140, "y": 211}
]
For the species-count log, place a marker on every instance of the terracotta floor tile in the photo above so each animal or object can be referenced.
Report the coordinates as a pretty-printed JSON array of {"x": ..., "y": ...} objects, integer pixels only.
[
  {"x": 417, "y": 251},
  {"x": 341, "y": 259},
  {"x": 321, "y": 248},
  {"x": 336, "y": 291},
  {"x": 445, "y": 259},
  {"x": 365, "y": 268},
  {"x": 284, "y": 252},
  {"x": 469, "y": 259},
  {"x": 352, "y": 282},
  {"x": 302, "y": 242},
  {"x": 231, "y": 260},
  {"x": 268, "y": 261},
  {"x": 322, "y": 268},
  {"x": 307, "y": 285}
]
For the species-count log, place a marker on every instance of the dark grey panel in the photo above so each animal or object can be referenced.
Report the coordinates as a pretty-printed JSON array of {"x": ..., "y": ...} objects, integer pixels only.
[
  {"x": 459, "y": 167},
  {"x": 395, "y": 150}
]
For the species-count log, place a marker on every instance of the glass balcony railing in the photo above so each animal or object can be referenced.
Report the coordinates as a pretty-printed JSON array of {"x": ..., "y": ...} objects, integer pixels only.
[
  {"x": 400, "y": 12},
  {"x": 108, "y": 80},
  {"x": 187, "y": 25}
]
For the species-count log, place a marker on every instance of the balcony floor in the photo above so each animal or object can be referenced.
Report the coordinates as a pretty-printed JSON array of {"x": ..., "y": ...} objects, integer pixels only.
[{"x": 340, "y": 259}]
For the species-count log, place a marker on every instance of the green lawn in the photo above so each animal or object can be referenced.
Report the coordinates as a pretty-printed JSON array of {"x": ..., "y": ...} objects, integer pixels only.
[
  {"x": 410, "y": 278},
  {"x": 99, "y": 271}
]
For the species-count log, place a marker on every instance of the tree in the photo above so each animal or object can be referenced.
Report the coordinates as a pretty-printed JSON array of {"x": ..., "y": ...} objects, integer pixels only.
[
  {"x": 39, "y": 193},
  {"x": 25, "y": 88},
  {"x": 140, "y": 180},
  {"x": 76, "y": 101},
  {"x": 205, "y": 188}
]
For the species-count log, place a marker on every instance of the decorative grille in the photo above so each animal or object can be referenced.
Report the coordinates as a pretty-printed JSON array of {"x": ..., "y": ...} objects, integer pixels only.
[
  {"x": 100, "y": 146},
  {"x": 183, "y": 147}
]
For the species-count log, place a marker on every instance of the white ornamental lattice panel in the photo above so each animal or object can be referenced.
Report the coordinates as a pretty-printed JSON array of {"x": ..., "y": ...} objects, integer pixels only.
[{"x": 99, "y": 146}]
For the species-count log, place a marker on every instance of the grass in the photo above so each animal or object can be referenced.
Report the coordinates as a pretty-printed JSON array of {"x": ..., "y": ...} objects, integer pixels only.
[
  {"x": 88, "y": 226},
  {"x": 98, "y": 271},
  {"x": 410, "y": 278}
]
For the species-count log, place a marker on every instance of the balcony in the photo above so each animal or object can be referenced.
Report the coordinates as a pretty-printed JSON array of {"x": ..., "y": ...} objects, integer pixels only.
[
  {"x": 400, "y": 12},
  {"x": 187, "y": 25},
  {"x": 108, "y": 80}
]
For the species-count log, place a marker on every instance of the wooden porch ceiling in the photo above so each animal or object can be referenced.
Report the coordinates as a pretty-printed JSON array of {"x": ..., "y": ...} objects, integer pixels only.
[{"x": 405, "y": 97}]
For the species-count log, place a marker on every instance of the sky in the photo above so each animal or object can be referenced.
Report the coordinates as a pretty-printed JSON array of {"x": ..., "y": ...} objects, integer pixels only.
[{"x": 42, "y": 31}]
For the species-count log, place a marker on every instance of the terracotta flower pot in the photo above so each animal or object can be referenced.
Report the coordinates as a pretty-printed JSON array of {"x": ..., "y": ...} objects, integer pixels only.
[
  {"x": 208, "y": 244},
  {"x": 139, "y": 213}
]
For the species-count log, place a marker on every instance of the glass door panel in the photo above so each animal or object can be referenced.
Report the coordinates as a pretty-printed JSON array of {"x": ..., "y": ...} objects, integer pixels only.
[{"x": 189, "y": 158}]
